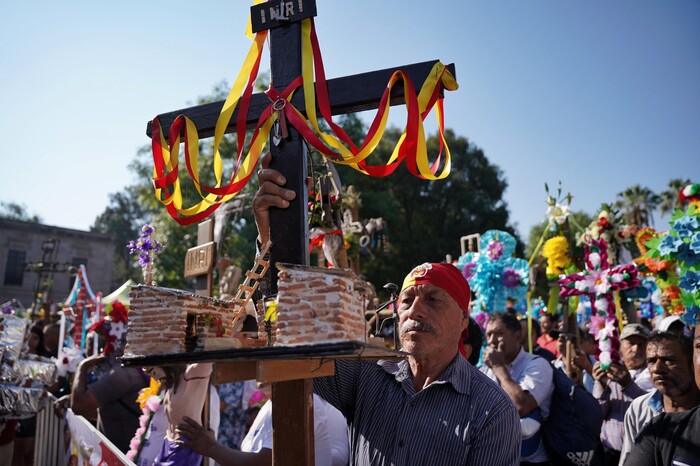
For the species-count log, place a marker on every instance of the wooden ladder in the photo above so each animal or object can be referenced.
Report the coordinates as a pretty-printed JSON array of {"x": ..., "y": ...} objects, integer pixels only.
[{"x": 246, "y": 290}]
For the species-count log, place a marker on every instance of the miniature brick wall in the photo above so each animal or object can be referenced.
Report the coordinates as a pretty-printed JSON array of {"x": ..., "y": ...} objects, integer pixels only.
[
  {"x": 318, "y": 305},
  {"x": 158, "y": 319}
]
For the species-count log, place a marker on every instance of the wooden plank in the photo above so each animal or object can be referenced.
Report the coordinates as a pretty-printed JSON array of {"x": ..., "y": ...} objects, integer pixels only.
[
  {"x": 339, "y": 350},
  {"x": 280, "y": 371},
  {"x": 348, "y": 94},
  {"x": 234, "y": 371},
  {"x": 270, "y": 371},
  {"x": 293, "y": 423}
]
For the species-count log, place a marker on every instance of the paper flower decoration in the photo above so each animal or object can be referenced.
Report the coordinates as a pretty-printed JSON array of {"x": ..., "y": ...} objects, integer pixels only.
[
  {"x": 538, "y": 308},
  {"x": 690, "y": 194},
  {"x": 681, "y": 243},
  {"x": 649, "y": 295},
  {"x": 556, "y": 251},
  {"x": 609, "y": 226},
  {"x": 68, "y": 360},
  {"x": 598, "y": 281},
  {"x": 149, "y": 400},
  {"x": 112, "y": 327},
  {"x": 493, "y": 273}
]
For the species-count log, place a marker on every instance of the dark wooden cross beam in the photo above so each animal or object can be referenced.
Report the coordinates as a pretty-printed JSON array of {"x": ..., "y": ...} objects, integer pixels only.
[{"x": 293, "y": 412}]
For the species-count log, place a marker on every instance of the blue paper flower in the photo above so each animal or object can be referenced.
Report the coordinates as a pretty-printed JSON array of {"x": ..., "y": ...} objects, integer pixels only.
[
  {"x": 695, "y": 243},
  {"x": 690, "y": 282},
  {"x": 686, "y": 255},
  {"x": 686, "y": 226},
  {"x": 690, "y": 316},
  {"x": 669, "y": 244}
]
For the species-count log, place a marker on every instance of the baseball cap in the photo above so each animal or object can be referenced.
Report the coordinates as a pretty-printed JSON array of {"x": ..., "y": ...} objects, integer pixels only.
[
  {"x": 667, "y": 321},
  {"x": 634, "y": 330}
]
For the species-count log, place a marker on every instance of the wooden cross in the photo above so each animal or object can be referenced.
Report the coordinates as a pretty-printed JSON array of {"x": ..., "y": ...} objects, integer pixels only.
[
  {"x": 598, "y": 281},
  {"x": 289, "y": 227}
]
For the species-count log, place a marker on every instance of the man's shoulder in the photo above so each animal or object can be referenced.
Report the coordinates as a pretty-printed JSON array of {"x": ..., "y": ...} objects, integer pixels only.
[{"x": 485, "y": 388}]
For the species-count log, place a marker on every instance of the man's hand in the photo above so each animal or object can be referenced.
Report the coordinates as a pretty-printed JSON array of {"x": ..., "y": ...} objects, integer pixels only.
[
  {"x": 269, "y": 194},
  {"x": 582, "y": 362},
  {"x": 619, "y": 374},
  {"x": 600, "y": 375},
  {"x": 60, "y": 405},
  {"x": 194, "y": 435},
  {"x": 493, "y": 356}
]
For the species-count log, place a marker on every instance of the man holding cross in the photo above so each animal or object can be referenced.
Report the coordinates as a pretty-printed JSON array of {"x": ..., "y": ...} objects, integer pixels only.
[{"x": 432, "y": 408}]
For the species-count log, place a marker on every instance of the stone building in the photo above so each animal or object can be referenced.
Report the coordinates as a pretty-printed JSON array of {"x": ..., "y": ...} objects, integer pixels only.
[{"x": 36, "y": 258}]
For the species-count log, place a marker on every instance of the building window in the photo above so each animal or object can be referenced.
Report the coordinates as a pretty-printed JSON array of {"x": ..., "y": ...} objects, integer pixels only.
[
  {"x": 14, "y": 268},
  {"x": 76, "y": 262}
]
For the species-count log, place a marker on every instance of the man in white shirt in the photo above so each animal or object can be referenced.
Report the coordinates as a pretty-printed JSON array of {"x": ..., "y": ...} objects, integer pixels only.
[
  {"x": 526, "y": 378},
  {"x": 330, "y": 439}
]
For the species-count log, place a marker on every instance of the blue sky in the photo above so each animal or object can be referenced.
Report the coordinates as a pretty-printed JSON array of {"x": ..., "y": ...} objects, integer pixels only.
[{"x": 597, "y": 95}]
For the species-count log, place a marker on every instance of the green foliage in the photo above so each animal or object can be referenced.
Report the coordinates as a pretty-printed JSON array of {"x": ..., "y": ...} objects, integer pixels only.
[{"x": 15, "y": 211}]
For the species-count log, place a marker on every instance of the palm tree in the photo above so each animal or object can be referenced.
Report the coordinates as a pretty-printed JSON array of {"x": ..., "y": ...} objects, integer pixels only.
[
  {"x": 669, "y": 198},
  {"x": 637, "y": 205}
]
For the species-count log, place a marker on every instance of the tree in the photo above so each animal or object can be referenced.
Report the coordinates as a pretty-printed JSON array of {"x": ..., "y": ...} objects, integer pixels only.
[
  {"x": 427, "y": 218},
  {"x": 637, "y": 204},
  {"x": 15, "y": 211},
  {"x": 668, "y": 200}
]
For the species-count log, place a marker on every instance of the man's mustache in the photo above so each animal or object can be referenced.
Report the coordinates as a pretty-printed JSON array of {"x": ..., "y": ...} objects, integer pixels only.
[{"x": 416, "y": 326}]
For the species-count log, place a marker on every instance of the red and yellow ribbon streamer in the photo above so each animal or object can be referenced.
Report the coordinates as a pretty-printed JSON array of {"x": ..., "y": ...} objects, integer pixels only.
[{"x": 337, "y": 147}]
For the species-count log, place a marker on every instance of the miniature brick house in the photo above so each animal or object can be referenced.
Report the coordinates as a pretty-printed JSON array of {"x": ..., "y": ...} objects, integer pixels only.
[
  {"x": 319, "y": 305},
  {"x": 166, "y": 321}
]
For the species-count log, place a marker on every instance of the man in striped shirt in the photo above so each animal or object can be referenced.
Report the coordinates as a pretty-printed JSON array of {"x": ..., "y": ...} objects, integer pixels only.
[{"x": 432, "y": 408}]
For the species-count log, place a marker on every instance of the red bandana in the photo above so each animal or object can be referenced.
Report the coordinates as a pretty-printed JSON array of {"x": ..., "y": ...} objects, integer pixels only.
[{"x": 446, "y": 277}]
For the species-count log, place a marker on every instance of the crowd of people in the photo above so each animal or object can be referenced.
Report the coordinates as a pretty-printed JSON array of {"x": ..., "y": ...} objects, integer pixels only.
[{"x": 465, "y": 394}]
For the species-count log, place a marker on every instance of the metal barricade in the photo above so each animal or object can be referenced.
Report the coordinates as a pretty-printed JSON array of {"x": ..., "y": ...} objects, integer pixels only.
[{"x": 49, "y": 442}]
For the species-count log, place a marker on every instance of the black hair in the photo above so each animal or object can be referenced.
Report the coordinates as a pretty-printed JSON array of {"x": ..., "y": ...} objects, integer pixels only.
[
  {"x": 535, "y": 326},
  {"x": 685, "y": 343},
  {"x": 40, "y": 349},
  {"x": 509, "y": 320},
  {"x": 173, "y": 374},
  {"x": 475, "y": 339}
]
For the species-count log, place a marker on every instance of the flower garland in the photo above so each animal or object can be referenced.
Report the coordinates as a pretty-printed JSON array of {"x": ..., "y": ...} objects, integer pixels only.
[
  {"x": 682, "y": 244},
  {"x": 149, "y": 400}
]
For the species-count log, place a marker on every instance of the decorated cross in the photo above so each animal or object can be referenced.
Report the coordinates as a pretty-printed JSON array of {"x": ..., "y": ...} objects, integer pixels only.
[
  {"x": 493, "y": 273},
  {"x": 599, "y": 281},
  {"x": 286, "y": 115}
]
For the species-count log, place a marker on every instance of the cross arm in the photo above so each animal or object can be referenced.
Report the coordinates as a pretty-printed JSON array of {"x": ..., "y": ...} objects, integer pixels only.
[{"x": 347, "y": 94}]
